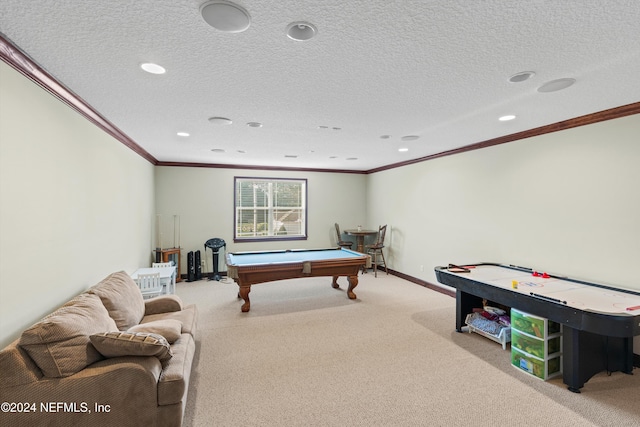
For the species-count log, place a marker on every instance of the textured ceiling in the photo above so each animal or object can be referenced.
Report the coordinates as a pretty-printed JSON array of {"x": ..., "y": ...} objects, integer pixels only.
[{"x": 434, "y": 69}]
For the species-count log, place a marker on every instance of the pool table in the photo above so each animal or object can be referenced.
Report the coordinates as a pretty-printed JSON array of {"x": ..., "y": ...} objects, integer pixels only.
[{"x": 249, "y": 268}]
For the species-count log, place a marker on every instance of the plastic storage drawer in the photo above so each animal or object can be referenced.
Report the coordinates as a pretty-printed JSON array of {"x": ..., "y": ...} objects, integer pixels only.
[
  {"x": 533, "y": 325},
  {"x": 543, "y": 369},
  {"x": 541, "y": 348}
]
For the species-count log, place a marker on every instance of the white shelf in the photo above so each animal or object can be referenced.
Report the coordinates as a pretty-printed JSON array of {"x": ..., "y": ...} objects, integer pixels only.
[{"x": 502, "y": 337}]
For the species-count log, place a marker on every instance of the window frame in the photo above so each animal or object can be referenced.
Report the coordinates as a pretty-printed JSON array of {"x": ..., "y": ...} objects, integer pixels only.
[{"x": 237, "y": 180}]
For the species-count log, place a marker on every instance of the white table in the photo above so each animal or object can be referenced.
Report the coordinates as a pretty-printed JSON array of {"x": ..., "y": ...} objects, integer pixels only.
[{"x": 167, "y": 277}]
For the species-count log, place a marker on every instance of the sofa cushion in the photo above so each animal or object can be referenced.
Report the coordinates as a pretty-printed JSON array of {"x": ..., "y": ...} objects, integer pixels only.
[
  {"x": 188, "y": 317},
  {"x": 162, "y": 304},
  {"x": 171, "y": 329},
  {"x": 16, "y": 367},
  {"x": 59, "y": 344},
  {"x": 174, "y": 379},
  {"x": 117, "y": 344},
  {"x": 122, "y": 298}
]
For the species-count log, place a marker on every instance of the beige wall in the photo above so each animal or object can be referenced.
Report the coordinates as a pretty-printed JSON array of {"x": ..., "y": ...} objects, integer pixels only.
[
  {"x": 566, "y": 202},
  {"x": 75, "y": 204},
  {"x": 203, "y": 200}
]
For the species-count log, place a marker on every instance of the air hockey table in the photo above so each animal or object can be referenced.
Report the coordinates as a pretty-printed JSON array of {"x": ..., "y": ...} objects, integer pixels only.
[{"x": 599, "y": 321}]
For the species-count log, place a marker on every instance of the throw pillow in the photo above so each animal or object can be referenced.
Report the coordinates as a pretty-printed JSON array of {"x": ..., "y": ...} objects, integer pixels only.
[
  {"x": 122, "y": 298},
  {"x": 59, "y": 344},
  {"x": 117, "y": 344},
  {"x": 171, "y": 329}
]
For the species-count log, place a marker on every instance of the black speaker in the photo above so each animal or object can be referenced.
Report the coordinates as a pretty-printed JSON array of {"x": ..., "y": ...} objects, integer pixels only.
[
  {"x": 191, "y": 270},
  {"x": 198, "y": 264}
]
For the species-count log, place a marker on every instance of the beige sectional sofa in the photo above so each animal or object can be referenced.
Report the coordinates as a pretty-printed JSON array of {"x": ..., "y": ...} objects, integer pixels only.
[{"x": 105, "y": 358}]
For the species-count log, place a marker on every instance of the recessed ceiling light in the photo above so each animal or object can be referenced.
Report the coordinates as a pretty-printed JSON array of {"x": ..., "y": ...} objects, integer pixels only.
[
  {"x": 333, "y": 157},
  {"x": 556, "y": 85},
  {"x": 183, "y": 134},
  {"x": 241, "y": 151},
  {"x": 337, "y": 128},
  {"x": 254, "y": 124},
  {"x": 522, "y": 76},
  {"x": 402, "y": 150},
  {"x": 301, "y": 31},
  {"x": 507, "y": 118},
  {"x": 217, "y": 150},
  {"x": 220, "y": 120},
  {"x": 352, "y": 158},
  {"x": 225, "y": 16},
  {"x": 385, "y": 136},
  {"x": 153, "y": 68},
  {"x": 410, "y": 137},
  {"x": 323, "y": 127},
  {"x": 290, "y": 156}
]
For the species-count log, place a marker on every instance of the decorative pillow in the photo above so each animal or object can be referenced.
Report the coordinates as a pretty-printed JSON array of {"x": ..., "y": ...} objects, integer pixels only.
[
  {"x": 171, "y": 329},
  {"x": 59, "y": 344},
  {"x": 122, "y": 298},
  {"x": 117, "y": 344}
]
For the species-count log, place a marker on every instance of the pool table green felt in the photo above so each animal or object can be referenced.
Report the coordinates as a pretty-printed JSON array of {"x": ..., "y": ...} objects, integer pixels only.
[{"x": 250, "y": 268}]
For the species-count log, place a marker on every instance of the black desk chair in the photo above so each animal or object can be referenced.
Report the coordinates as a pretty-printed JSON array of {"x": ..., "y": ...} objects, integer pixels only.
[
  {"x": 376, "y": 249},
  {"x": 342, "y": 243},
  {"x": 215, "y": 245}
]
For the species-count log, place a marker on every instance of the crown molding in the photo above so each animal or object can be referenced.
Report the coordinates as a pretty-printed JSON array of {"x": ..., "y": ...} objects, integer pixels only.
[
  {"x": 253, "y": 167},
  {"x": 610, "y": 114},
  {"x": 21, "y": 62}
]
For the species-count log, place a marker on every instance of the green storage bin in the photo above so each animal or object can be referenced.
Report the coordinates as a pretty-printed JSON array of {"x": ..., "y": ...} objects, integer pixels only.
[
  {"x": 540, "y": 348},
  {"x": 543, "y": 369},
  {"x": 533, "y": 325}
]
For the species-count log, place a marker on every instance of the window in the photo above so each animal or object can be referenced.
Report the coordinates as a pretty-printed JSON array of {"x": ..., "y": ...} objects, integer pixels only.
[{"x": 270, "y": 209}]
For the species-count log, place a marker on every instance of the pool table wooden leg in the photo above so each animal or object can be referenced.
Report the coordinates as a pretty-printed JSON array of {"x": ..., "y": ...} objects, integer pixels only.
[
  {"x": 244, "y": 294},
  {"x": 353, "y": 282},
  {"x": 334, "y": 284}
]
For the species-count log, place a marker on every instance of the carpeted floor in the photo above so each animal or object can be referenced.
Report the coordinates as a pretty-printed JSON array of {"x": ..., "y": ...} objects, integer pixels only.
[{"x": 306, "y": 355}]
